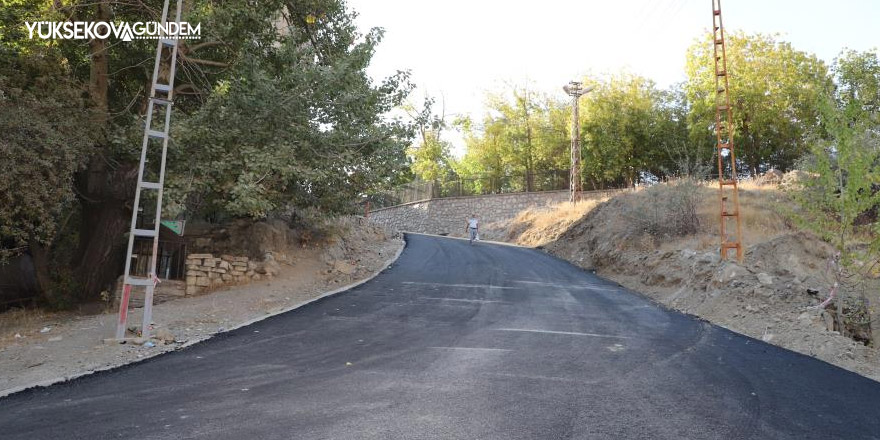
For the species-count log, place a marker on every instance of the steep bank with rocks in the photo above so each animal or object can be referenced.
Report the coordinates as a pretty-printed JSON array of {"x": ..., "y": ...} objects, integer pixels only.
[{"x": 773, "y": 296}]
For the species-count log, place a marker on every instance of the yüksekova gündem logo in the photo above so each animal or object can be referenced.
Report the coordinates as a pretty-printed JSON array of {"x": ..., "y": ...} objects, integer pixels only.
[{"x": 125, "y": 31}]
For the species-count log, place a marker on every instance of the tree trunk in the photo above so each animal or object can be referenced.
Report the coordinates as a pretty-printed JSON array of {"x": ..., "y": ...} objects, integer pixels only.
[
  {"x": 530, "y": 183},
  {"x": 104, "y": 189},
  {"x": 41, "y": 270},
  {"x": 99, "y": 68},
  {"x": 102, "y": 254},
  {"x": 749, "y": 150},
  {"x": 106, "y": 213}
]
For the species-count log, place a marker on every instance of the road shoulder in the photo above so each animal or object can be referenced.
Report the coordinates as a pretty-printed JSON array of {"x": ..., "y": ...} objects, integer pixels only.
[{"x": 43, "y": 349}]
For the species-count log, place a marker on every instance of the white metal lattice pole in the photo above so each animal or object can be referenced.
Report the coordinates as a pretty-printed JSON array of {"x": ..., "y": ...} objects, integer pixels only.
[{"x": 161, "y": 96}]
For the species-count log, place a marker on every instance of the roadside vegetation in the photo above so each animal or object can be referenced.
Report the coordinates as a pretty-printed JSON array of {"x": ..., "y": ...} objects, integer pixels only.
[
  {"x": 274, "y": 114},
  {"x": 634, "y": 131}
]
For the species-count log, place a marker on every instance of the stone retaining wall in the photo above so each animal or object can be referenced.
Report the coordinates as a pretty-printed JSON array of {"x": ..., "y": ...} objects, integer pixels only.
[
  {"x": 449, "y": 215},
  {"x": 204, "y": 271}
]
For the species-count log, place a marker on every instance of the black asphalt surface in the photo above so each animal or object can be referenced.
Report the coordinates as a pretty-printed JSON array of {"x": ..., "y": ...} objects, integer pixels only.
[{"x": 464, "y": 342}]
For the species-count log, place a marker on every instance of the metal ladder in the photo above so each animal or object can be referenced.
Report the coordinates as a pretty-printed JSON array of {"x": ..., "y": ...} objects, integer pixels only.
[
  {"x": 727, "y": 177},
  {"x": 161, "y": 96}
]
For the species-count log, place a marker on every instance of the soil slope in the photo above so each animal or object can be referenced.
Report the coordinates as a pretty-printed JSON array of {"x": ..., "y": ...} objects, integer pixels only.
[{"x": 772, "y": 296}]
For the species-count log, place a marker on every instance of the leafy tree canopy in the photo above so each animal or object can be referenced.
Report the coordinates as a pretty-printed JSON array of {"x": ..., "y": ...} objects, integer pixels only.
[
  {"x": 273, "y": 109},
  {"x": 297, "y": 121},
  {"x": 774, "y": 89}
]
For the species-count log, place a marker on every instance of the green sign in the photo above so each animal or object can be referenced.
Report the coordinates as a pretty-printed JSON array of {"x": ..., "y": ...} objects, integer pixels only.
[{"x": 176, "y": 226}]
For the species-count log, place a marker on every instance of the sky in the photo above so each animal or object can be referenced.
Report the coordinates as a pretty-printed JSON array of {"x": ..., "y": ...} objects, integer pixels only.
[{"x": 458, "y": 50}]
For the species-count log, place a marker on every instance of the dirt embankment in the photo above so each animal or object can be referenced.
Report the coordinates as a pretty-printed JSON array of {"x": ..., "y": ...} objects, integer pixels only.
[
  {"x": 42, "y": 348},
  {"x": 639, "y": 240}
]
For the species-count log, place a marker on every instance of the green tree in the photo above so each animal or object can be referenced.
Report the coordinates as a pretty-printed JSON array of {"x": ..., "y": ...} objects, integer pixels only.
[
  {"x": 273, "y": 106},
  {"x": 674, "y": 152},
  {"x": 773, "y": 89},
  {"x": 844, "y": 162},
  {"x": 484, "y": 164},
  {"x": 47, "y": 136},
  {"x": 521, "y": 137},
  {"x": 298, "y": 121},
  {"x": 628, "y": 128},
  {"x": 430, "y": 154},
  {"x": 857, "y": 76}
]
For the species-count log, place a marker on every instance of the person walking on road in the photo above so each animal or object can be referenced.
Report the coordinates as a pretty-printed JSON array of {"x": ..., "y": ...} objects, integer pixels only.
[{"x": 473, "y": 225}]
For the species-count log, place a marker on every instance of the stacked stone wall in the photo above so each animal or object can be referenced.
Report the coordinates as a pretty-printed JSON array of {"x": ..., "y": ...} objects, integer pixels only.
[
  {"x": 449, "y": 215},
  {"x": 205, "y": 272}
]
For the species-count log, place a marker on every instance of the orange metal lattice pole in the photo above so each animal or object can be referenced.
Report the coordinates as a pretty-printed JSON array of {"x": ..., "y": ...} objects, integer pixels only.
[{"x": 727, "y": 176}]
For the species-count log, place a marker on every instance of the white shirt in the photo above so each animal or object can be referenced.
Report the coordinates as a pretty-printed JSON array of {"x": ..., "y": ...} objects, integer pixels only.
[{"x": 473, "y": 223}]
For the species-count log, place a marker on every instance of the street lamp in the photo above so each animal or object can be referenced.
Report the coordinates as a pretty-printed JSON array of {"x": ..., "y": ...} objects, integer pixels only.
[{"x": 575, "y": 90}]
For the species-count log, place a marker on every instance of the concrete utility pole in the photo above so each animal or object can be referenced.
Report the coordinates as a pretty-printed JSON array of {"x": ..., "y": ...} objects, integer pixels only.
[{"x": 575, "y": 90}]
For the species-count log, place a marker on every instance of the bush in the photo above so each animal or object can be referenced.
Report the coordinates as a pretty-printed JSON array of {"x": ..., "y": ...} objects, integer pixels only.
[{"x": 670, "y": 211}]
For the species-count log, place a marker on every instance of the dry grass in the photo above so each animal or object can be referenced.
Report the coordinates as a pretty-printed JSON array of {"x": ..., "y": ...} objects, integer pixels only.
[
  {"x": 663, "y": 211},
  {"x": 759, "y": 213},
  {"x": 21, "y": 321},
  {"x": 751, "y": 185},
  {"x": 539, "y": 226},
  {"x": 760, "y": 207}
]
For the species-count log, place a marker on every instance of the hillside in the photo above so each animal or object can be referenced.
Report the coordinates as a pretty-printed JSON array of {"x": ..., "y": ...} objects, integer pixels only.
[{"x": 662, "y": 241}]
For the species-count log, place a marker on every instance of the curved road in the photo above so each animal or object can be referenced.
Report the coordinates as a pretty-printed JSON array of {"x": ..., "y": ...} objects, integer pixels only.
[{"x": 464, "y": 342}]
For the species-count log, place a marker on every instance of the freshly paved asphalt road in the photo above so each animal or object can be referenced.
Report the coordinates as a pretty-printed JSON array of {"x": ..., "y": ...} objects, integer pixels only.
[{"x": 461, "y": 342}]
